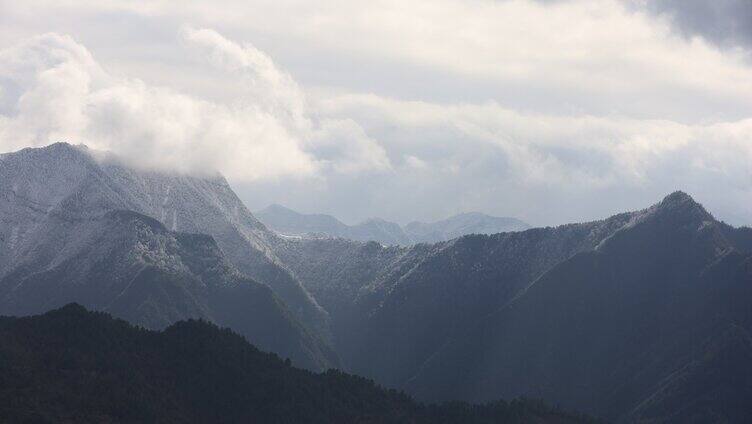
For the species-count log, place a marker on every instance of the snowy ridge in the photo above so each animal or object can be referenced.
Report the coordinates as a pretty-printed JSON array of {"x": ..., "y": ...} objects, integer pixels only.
[{"x": 69, "y": 183}]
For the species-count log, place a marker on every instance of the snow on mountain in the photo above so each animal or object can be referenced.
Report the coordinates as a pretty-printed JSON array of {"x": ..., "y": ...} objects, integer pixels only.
[{"x": 77, "y": 184}]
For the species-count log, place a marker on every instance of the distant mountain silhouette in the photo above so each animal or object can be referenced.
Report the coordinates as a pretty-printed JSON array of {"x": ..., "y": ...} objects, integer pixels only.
[
  {"x": 70, "y": 365},
  {"x": 288, "y": 222},
  {"x": 461, "y": 225}
]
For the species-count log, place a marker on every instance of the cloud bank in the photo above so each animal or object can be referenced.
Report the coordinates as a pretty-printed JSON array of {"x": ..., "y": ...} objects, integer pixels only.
[
  {"x": 54, "y": 90},
  {"x": 726, "y": 22},
  {"x": 549, "y": 110},
  {"x": 542, "y": 158}
]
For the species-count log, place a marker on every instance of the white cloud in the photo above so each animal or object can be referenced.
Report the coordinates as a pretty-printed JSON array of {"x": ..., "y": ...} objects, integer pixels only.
[
  {"x": 415, "y": 162},
  {"x": 572, "y": 154},
  {"x": 553, "y": 111},
  {"x": 583, "y": 56},
  {"x": 254, "y": 74},
  {"x": 54, "y": 90},
  {"x": 346, "y": 148},
  {"x": 555, "y": 149}
]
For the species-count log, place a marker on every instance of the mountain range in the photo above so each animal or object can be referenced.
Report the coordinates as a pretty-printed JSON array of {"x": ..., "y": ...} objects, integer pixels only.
[
  {"x": 291, "y": 223},
  {"x": 632, "y": 318},
  {"x": 640, "y": 317}
]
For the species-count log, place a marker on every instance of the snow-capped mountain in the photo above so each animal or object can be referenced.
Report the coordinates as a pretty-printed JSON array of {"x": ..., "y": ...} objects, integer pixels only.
[{"x": 59, "y": 186}]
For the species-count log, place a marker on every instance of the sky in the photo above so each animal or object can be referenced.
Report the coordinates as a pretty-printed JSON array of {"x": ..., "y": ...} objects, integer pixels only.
[{"x": 551, "y": 111}]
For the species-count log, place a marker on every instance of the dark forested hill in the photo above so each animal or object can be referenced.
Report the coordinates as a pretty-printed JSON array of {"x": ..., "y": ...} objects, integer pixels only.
[{"x": 71, "y": 365}]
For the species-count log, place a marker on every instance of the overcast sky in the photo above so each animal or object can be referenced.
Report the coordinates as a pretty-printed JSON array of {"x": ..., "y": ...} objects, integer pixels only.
[{"x": 551, "y": 111}]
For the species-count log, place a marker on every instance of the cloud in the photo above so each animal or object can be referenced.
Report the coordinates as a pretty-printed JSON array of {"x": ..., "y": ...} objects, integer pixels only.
[
  {"x": 493, "y": 149},
  {"x": 415, "y": 162},
  {"x": 567, "y": 150},
  {"x": 254, "y": 73},
  {"x": 577, "y": 56},
  {"x": 553, "y": 111},
  {"x": 53, "y": 89},
  {"x": 727, "y": 22}
]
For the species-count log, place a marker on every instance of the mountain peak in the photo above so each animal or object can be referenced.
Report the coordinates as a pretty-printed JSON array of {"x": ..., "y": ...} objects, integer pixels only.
[
  {"x": 54, "y": 148},
  {"x": 70, "y": 308},
  {"x": 678, "y": 197},
  {"x": 276, "y": 207},
  {"x": 680, "y": 201},
  {"x": 61, "y": 145},
  {"x": 64, "y": 146}
]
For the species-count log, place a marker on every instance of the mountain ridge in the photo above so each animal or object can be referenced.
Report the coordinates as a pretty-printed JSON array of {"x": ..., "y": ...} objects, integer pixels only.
[
  {"x": 407, "y": 315},
  {"x": 686, "y": 255}
]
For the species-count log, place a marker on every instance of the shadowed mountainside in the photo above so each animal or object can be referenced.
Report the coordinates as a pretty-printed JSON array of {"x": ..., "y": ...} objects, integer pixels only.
[{"x": 603, "y": 317}]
